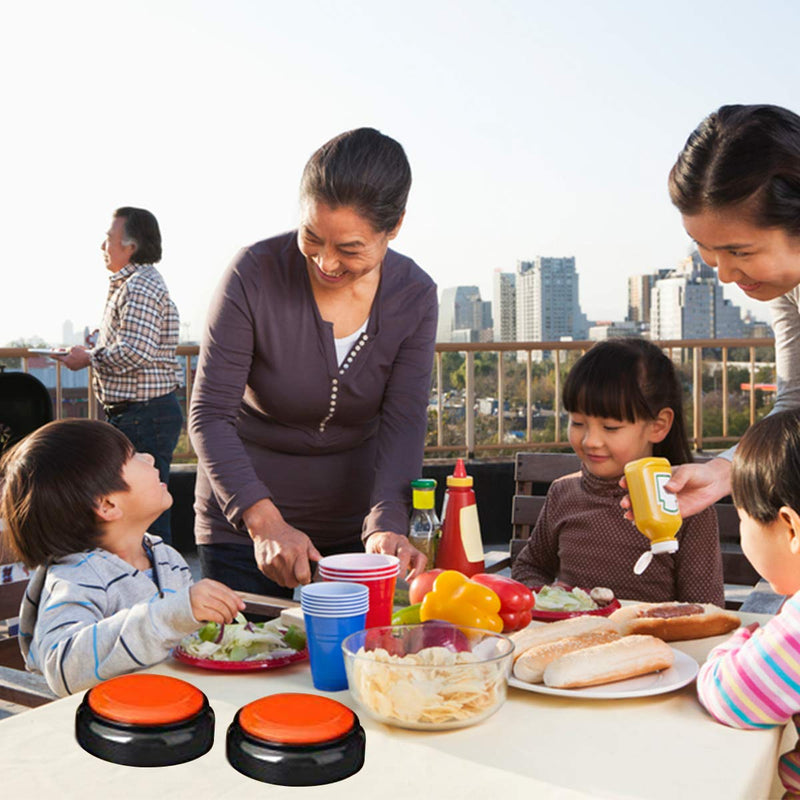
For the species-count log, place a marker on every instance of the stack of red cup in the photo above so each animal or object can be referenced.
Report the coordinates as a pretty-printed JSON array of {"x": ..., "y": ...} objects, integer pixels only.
[{"x": 376, "y": 571}]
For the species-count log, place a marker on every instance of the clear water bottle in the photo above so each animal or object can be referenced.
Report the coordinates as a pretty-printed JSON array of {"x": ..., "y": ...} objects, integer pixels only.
[{"x": 424, "y": 528}]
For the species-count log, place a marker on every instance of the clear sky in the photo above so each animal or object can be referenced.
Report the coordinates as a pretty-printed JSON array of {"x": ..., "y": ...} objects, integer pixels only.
[{"x": 533, "y": 128}]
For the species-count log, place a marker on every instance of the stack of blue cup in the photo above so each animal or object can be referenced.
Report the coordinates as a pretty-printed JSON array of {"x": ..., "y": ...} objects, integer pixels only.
[{"x": 331, "y": 611}]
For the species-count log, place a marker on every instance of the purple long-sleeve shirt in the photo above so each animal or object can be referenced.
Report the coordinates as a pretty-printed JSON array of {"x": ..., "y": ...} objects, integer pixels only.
[{"x": 275, "y": 416}]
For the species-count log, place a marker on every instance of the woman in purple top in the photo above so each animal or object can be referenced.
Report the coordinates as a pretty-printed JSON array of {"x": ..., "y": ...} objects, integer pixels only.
[{"x": 309, "y": 409}]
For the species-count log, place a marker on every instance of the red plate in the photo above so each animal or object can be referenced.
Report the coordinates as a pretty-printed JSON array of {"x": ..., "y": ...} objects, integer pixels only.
[
  {"x": 555, "y": 616},
  {"x": 239, "y": 666}
]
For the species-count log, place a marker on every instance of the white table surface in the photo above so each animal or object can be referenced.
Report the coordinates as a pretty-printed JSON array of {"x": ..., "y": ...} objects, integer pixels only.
[{"x": 534, "y": 747}]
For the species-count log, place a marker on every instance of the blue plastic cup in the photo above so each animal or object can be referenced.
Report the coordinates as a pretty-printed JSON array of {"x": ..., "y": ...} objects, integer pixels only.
[{"x": 325, "y": 635}]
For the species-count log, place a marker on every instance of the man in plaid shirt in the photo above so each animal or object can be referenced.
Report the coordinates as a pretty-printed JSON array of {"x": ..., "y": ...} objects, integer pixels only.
[{"x": 135, "y": 370}]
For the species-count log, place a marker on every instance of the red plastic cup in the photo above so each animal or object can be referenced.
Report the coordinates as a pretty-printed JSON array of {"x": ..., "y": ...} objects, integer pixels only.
[
  {"x": 381, "y": 598},
  {"x": 343, "y": 576},
  {"x": 358, "y": 562},
  {"x": 376, "y": 571}
]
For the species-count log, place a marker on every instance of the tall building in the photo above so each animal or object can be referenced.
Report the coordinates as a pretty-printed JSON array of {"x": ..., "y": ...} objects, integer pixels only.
[
  {"x": 756, "y": 328},
  {"x": 463, "y": 316},
  {"x": 486, "y": 333},
  {"x": 548, "y": 308},
  {"x": 68, "y": 333},
  {"x": 640, "y": 288},
  {"x": 688, "y": 304},
  {"x": 601, "y": 331},
  {"x": 504, "y": 306}
]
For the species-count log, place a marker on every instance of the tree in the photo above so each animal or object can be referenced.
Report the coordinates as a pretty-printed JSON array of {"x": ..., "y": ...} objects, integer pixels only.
[{"x": 16, "y": 363}]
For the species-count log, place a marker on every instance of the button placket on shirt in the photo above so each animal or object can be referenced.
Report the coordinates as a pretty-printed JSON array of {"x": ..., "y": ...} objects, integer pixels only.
[{"x": 335, "y": 381}]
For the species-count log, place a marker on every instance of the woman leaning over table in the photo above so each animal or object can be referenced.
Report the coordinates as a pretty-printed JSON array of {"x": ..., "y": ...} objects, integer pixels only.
[
  {"x": 309, "y": 409},
  {"x": 737, "y": 185}
]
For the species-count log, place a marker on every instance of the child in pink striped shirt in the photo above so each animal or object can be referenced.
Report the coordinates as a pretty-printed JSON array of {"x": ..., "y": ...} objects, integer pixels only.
[{"x": 753, "y": 679}]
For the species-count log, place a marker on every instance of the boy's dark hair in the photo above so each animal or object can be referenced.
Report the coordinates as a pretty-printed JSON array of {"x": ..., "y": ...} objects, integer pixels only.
[
  {"x": 52, "y": 481},
  {"x": 632, "y": 380},
  {"x": 742, "y": 156},
  {"x": 363, "y": 169},
  {"x": 765, "y": 474},
  {"x": 141, "y": 228}
]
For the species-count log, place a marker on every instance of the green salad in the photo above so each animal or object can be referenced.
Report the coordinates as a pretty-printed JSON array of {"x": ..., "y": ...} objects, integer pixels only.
[
  {"x": 244, "y": 641},
  {"x": 556, "y": 598}
]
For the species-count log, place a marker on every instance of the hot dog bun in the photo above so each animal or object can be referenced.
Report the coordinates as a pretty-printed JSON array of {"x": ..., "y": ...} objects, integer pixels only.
[
  {"x": 530, "y": 666},
  {"x": 675, "y": 621},
  {"x": 605, "y": 663},
  {"x": 552, "y": 631}
]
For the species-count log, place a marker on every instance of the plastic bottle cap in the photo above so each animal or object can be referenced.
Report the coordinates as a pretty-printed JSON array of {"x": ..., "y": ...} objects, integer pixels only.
[
  {"x": 657, "y": 548},
  {"x": 642, "y": 563},
  {"x": 145, "y": 699},
  {"x": 422, "y": 501},
  {"x": 667, "y": 546},
  {"x": 459, "y": 476},
  {"x": 423, "y": 493}
]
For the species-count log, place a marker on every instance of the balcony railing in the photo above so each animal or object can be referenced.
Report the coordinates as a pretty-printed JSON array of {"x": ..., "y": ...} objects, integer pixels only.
[{"x": 456, "y": 424}]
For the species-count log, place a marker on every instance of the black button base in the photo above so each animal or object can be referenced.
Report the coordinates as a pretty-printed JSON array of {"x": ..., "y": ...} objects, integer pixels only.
[
  {"x": 296, "y": 765},
  {"x": 144, "y": 745}
]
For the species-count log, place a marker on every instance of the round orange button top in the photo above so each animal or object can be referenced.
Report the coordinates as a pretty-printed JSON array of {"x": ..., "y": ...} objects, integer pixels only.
[
  {"x": 145, "y": 699},
  {"x": 296, "y": 718}
]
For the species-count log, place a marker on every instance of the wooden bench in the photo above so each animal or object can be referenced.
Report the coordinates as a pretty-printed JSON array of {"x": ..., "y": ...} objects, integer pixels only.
[
  {"x": 17, "y": 685},
  {"x": 534, "y": 472}
]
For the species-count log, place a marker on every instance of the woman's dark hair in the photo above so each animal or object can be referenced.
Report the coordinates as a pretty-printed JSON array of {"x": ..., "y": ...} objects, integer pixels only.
[
  {"x": 362, "y": 169},
  {"x": 630, "y": 380},
  {"x": 746, "y": 156},
  {"x": 765, "y": 474},
  {"x": 141, "y": 229},
  {"x": 52, "y": 481}
]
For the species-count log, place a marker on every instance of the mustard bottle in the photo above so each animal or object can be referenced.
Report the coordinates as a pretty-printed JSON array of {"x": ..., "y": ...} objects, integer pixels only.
[{"x": 655, "y": 510}]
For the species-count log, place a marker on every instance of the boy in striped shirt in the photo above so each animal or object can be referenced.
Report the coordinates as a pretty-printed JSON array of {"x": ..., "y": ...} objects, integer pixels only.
[{"x": 753, "y": 679}]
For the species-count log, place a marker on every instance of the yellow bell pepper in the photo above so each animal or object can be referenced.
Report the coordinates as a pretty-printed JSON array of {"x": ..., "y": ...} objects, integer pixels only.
[{"x": 454, "y": 598}]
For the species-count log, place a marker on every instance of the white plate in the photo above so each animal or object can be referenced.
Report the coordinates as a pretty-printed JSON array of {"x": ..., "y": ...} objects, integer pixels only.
[
  {"x": 683, "y": 671},
  {"x": 49, "y": 351}
]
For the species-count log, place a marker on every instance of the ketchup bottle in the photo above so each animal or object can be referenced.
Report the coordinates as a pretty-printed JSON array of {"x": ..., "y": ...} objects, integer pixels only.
[{"x": 460, "y": 547}]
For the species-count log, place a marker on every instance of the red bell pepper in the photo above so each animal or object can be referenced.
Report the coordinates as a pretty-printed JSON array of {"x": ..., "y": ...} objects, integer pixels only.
[{"x": 516, "y": 600}]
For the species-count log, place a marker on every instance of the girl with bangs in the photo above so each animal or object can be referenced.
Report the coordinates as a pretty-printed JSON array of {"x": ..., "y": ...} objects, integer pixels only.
[{"x": 625, "y": 402}]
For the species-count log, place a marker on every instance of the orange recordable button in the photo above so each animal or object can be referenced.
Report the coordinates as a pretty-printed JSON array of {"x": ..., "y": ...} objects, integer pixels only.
[
  {"x": 297, "y": 719},
  {"x": 145, "y": 700}
]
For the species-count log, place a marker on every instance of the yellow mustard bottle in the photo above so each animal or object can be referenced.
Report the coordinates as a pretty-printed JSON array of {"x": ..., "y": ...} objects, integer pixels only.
[{"x": 655, "y": 510}]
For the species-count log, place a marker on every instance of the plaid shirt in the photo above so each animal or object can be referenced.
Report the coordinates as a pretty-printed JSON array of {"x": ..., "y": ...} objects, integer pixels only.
[{"x": 134, "y": 358}]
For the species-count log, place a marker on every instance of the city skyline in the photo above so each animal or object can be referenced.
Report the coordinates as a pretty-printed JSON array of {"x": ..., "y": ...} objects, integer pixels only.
[
  {"x": 487, "y": 317},
  {"x": 538, "y": 302},
  {"x": 532, "y": 129}
]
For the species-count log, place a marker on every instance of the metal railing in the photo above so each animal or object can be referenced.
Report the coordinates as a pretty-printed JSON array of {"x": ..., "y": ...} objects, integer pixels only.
[
  {"x": 559, "y": 352},
  {"x": 440, "y": 435}
]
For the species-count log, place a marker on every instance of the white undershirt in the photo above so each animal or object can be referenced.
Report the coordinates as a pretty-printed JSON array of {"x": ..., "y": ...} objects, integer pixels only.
[{"x": 343, "y": 346}]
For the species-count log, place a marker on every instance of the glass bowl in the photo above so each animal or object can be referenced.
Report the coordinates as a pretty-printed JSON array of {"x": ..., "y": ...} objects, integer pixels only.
[{"x": 431, "y": 676}]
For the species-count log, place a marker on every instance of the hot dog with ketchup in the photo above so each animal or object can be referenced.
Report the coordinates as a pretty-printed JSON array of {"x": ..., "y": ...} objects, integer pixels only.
[{"x": 672, "y": 622}]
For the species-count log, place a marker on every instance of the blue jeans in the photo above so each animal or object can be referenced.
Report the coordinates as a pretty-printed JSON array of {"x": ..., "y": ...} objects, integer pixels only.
[
  {"x": 235, "y": 566},
  {"x": 153, "y": 426}
]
